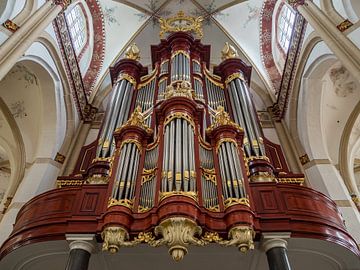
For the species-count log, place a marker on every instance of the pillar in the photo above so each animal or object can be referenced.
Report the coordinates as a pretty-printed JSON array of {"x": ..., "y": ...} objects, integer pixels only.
[
  {"x": 17, "y": 44},
  {"x": 81, "y": 247},
  {"x": 346, "y": 51},
  {"x": 275, "y": 247}
]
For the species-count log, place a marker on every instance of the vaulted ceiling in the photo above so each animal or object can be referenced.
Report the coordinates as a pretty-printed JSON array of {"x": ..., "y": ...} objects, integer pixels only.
[{"x": 236, "y": 22}]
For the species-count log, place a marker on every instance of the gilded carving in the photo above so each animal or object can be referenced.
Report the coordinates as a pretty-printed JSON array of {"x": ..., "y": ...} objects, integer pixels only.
[
  {"x": 125, "y": 76},
  {"x": 177, "y": 233},
  {"x": 184, "y": 116},
  {"x": 183, "y": 23},
  {"x": 304, "y": 159},
  {"x": 233, "y": 201},
  {"x": 137, "y": 118},
  {"x": 233, "y": 77},
  {"x": 181, "y": 89},
  {"x": 297, "y": 181},
  {"x": 10, "y": 25},
  {"x": 132, "y": 52},
  {"x": 59, "y": 158},
  {"x": 221, "y": 118},
  {"x": 191, "y": 194},
  {"x": 124, "y": 202},
  {"x": 97, "y": 179},
  {"x": 228, "y": 52},
  {"x": 69, "y": 183},
  {"x": 344, "y": 25},
  {"x": 240, "y": 236}
]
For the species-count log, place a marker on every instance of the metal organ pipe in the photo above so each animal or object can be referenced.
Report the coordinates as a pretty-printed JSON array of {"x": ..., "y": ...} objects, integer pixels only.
[
  {"x": 112, "y": 122},
  {"x": 244, "y": 115},
  {"x": 179, "y": 162}
]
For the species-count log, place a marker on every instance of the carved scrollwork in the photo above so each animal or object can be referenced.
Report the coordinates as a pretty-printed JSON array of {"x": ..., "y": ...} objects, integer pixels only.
[
  {"x": 116, "y": 237},
  {"x": 179, "y": 89},
  {"x": 177, "y": 233},
  {"x": 239, "y": 236}
]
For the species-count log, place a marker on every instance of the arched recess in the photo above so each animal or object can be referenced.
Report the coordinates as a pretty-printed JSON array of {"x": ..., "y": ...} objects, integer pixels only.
[
  {"x": 328, "y": 7},
  {"x": 11, "y": 141},
  {"x": 309, "y": 109},
  {"x": 350, "y": 145},
  {"x": 20, "y": 14},
  {"x": 308, "y": 47},
  {"x": 49, "y": 44},
  {"x": 30, "y": 92}
]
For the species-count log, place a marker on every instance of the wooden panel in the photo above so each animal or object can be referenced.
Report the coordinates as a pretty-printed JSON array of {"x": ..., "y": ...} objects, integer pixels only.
[{"x": 89, "y": 202}]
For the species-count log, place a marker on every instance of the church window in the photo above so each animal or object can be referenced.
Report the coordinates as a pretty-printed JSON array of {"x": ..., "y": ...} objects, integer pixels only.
[
  {"x": 77, "y": 27},
  {"x": 285, "y": 27}
]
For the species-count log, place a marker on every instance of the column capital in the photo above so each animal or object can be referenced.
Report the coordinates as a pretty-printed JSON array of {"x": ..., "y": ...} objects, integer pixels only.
[
  {"x": 85, "y": 242},
  {"x": 272, "y": 240}
]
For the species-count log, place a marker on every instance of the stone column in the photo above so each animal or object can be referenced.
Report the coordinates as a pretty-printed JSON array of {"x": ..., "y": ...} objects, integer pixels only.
[
  {"x": 345, "y": 50},
  {"x": 17, "y": 44},
  {"x": 275, "y": 247},
  {"x": 81, "y": 247}
]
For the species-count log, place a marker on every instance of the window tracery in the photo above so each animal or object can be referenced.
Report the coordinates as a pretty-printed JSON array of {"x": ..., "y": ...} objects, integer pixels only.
[
  {"x": 77, "y": 27},
  {"x": 285, "y": 27}
]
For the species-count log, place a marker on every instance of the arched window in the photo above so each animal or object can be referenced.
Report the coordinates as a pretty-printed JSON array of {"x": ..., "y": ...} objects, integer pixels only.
[
  {"x": 285, "y": 27},
  {"x": 77, "y": 27}
]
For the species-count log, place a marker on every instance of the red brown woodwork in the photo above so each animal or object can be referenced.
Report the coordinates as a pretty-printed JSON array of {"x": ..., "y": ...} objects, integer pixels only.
[
  {"x": 277, "y": 207},
  {"x": 180, "y": 41},
  {"x": 273, "y": 207},
  {"x": 128, "y": 66}
]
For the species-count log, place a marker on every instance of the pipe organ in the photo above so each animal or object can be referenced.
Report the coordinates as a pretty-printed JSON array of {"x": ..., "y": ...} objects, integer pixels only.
[
  {"x": 180, "y": 159},
  {"x": 181, "y": 145},
  {"x": 182, "y": 137}
]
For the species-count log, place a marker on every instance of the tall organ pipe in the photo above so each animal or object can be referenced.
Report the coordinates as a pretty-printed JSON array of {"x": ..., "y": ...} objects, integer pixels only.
[
  {"x": 126, "y": 172},
  {"x": 116, "y": 110}
]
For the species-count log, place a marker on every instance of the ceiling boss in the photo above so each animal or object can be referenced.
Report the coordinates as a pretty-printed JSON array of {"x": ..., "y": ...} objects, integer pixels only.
[{"x": 181, "y": 23}]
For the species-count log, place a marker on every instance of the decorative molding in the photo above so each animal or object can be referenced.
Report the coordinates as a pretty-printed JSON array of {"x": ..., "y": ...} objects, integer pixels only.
[
  {"x": 81, "y": 89},
  {"x": 287, "y": 81},
  {"x": 11, "y": 26},
  {"x": 344, "y": 25},
  {"x": 177, "y": 233},
  {"x": 7, "y": 204},
  {"x": 59, "y": 158},
  {"x": 71, "y": 64},
  {"x": 98, "y": 54},
  {"x": 304, "y": 159},
  {"x": 266, "y": 20},
  {"x": 182, "y": 23}
]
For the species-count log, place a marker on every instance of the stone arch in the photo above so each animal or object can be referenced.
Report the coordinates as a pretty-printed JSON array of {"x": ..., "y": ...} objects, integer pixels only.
[{"x": 310, "y": 112}]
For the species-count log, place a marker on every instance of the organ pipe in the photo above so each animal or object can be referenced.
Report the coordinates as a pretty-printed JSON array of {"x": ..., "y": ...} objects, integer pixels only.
[{"x": 184, "y": 155}]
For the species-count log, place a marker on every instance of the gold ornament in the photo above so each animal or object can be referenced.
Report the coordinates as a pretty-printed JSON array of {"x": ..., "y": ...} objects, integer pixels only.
[
  {"x": 241, "y": 237},
  {"x": 137, "y": 118},
  {"x": 115, "y": 237},
  {"x": 181, "y": 23},
  {"x": 132, "y": 52},
  {"x": 177, "y": 233},
  {"x": 228, "y": 52},
  {"x": 222, "y": 118},
  {"x": 179, "y": 89}
]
